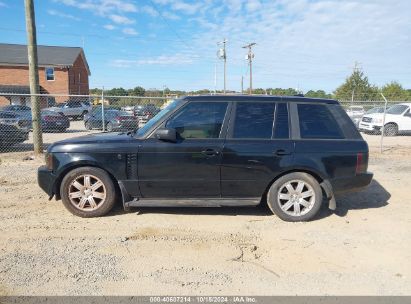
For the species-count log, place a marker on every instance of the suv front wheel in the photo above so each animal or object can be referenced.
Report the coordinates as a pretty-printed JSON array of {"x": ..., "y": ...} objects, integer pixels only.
[
  {"x": 88, "y": 192},
  {"x": 295, "y": 197}
]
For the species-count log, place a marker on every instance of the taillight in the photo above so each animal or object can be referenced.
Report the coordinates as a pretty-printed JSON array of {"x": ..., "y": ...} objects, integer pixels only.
[{"x": 361, "y": 166}]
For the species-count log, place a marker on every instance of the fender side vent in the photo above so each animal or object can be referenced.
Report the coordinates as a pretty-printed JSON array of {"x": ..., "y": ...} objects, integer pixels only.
[{"x": 131, "y": 166}]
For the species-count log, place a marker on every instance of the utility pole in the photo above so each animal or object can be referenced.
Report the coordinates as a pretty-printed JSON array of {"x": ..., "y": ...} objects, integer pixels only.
[
  {"x": 355, "y": 68},
  {"x": 223, "y": 55},
  {"x": 242, "y": 84},
  {"x": 250, "y": 57},
  {"x": 103, "y": 118},
  {"x": 215, "y": 77},
  {"x": 33, "y": 76}
]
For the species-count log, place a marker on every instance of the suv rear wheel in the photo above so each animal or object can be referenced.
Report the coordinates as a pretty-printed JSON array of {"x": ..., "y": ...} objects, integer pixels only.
[
  {"x": 295, "y": 197},
  {"x": 88, "y": 192}
]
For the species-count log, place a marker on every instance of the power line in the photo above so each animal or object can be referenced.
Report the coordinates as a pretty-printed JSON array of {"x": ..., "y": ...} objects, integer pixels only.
[{"x": 160, "y": 13}]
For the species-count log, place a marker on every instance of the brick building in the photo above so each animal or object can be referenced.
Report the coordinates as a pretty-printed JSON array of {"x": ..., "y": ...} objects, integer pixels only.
[{"x": 62, "y": 70}]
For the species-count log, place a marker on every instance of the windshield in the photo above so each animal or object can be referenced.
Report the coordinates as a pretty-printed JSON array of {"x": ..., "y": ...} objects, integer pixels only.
[
  {"x": 375, "y": 110},
  {"x": 397, "y": 109},
  {"x": 47, "y": 112},
  {"x": 159, "y": 116},
  {"x": 356, "y": 108},
  {"x": 124, "y": 113}
]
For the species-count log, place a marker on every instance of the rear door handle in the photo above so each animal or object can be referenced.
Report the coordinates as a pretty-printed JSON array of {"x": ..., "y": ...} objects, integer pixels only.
[
  {"x": 281, "y": 152},
  {"x": 210, "y": 152}
]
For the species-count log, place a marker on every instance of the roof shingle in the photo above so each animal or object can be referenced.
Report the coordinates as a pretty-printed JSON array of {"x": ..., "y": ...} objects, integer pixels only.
[{"x": 47, "y": 55}]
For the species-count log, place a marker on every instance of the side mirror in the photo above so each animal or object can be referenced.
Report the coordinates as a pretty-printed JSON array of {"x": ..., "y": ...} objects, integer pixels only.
[{"x": 166, "y": 134}]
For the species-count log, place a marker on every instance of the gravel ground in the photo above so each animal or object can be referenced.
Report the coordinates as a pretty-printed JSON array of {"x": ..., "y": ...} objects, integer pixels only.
[{"x": 363, "y": 248}]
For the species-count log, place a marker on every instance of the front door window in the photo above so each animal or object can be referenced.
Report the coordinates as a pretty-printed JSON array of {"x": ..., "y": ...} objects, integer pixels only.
[{"x": 199, "y": 120}]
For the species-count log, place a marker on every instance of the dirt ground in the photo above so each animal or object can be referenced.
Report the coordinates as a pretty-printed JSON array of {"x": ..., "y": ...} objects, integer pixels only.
[{"x": 364, "y": 248}]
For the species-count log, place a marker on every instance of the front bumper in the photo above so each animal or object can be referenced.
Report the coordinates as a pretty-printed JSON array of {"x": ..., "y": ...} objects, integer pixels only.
[
  {"x": 46, "y": 180},
  {"x": 369, "y": 127}
]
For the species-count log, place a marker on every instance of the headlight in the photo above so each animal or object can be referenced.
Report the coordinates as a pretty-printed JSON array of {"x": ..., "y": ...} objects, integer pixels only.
[
  {"x": 49, "y": 161},
  {"x": 377, "y": 120}
]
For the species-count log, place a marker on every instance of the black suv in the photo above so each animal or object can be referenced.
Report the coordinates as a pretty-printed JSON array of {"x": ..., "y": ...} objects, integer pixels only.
[{"x": 288, "y": 152}]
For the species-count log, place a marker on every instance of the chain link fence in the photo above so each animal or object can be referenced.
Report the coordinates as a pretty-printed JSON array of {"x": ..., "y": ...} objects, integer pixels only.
[
  {"x": 385, "y": 125},
  {"x": 65, "y": 116}
]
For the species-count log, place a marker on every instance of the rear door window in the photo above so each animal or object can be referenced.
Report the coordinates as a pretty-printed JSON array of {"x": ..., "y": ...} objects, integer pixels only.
[
  {"x": 254, "y": 120},
  {"x": 316, "y": 121}
]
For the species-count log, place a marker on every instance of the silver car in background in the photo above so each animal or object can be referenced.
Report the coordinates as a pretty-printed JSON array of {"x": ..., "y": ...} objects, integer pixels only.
[{"x": 75, "y": 109}]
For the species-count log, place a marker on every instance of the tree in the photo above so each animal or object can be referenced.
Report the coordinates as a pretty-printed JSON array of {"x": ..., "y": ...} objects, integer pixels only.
[
  {"x": 259, "y": 91},
  {"x": 317, "y": 94},
  {"x": 95, "y": 91},
  {"x": 137, "y": 91},
  {"x": 394, "y": 91},
  {"x": 201, "y": 92},
  {"x": 282, "y": 92},
  {"x": 117, "y": 92},
  {"x": 358, "y": 84},
  {"x": 166, "y": 91}
]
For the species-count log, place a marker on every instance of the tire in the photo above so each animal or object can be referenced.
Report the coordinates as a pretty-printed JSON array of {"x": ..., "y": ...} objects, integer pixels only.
[
  {"x": 87, "y": 125},
  {"x": 109, "y": 127},
  {"x": 88, "y": 202},
  {"x": 279, "y": 192},
  {"x": 82, "y": 115},
  {"x": 390, "y": 129}
]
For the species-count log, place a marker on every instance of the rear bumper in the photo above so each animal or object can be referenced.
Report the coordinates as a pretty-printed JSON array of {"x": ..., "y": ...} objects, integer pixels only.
[
  {"x": 125, "y": 126},
  {"x": 55, "y": 125},
  {"x": 15, "y": 137},
  {"x": 353, "y": 183},
  {"x": 46, "y": 180}
]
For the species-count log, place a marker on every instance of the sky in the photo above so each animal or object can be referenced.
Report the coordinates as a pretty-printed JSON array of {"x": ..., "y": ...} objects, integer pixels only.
[{"x": 302, "y": 44}]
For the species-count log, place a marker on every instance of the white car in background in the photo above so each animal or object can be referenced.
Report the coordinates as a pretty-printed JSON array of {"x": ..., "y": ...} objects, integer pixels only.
[
  {"x": 128, "y": 109},
  {"x": 397, "y": 121},
  {"x": 355, "y": 113}
]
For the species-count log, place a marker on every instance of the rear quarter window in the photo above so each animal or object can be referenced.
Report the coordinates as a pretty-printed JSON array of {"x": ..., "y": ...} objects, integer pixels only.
[{"x": 317, "y": 122}]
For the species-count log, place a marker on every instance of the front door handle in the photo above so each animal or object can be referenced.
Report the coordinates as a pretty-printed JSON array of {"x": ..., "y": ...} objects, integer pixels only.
[
  {"x": 281, "y": 152},
  {"x": 210, "y": 152}
]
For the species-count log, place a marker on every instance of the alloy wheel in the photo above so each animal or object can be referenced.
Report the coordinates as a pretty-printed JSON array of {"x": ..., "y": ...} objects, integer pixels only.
[
  {"x": 296, "y": 197},
  {"x": 87, "y": 192}
]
